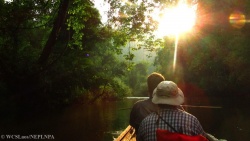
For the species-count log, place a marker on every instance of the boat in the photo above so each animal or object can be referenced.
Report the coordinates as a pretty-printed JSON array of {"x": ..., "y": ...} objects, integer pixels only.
[{"x": 127, "y": 135}]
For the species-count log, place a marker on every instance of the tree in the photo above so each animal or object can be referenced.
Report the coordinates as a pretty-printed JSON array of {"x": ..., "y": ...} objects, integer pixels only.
[
  {"x": 50, "y": 59},
  {"x": 57, "y": 25},
  {"x": 214, "y": 56}
]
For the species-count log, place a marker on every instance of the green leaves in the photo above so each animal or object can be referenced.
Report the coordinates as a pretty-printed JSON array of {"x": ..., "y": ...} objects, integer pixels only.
[
  {"x": 134, "y": 19},
  {"x": 214, "y": 57}
]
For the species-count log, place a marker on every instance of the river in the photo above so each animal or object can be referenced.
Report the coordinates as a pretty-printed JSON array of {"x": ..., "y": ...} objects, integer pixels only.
[{"x": 105, "y": 120}]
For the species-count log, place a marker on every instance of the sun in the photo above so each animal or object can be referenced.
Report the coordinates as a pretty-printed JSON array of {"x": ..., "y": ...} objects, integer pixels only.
[{"x": 174, "y": 21}]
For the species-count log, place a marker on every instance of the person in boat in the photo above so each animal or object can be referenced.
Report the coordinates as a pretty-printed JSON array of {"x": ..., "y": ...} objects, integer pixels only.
[
  {"x": 143, "y": 108},
  {"x": 169, "y": 117}
]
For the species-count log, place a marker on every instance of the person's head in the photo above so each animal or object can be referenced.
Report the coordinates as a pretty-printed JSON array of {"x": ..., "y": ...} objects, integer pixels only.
[
  {"x": 167, "y": 92},
  {"x": 153, "y": 80}
]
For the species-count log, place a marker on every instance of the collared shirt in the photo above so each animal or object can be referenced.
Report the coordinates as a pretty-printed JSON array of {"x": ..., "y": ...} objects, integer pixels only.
[
  {"x": 182, "y": 121},
  {"x": 140, "y": 110}
]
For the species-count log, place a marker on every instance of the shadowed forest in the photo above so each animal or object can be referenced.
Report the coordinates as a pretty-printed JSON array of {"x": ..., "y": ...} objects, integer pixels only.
[{"x": 55, "y": 53}]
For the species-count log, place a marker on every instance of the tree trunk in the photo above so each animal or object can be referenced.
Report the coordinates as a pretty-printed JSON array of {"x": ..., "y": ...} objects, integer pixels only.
[{"x": 58, "y": 23}]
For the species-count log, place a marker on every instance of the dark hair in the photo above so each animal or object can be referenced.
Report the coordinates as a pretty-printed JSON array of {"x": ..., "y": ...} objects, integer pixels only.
[{"x": 153, "y": 80}]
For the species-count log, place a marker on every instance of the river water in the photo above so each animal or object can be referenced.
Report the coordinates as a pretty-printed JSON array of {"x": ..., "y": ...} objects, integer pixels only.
[{"x": 105, "y": 120}]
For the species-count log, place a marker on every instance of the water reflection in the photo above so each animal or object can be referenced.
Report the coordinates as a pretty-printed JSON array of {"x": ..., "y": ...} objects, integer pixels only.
[
  {"x": 104, "y": 120},
  {"x": 97, "y": 122}
]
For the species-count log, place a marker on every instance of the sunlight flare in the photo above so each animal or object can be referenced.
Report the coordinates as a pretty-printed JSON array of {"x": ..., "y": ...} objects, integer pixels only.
[
  {"x": 175, "y": 51},
  {"x": 237, "y": 19},
  {"x": 176, "y": 20}
]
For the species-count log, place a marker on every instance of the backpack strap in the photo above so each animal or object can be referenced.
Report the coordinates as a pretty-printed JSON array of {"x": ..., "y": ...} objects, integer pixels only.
[{"x": 165, "y": 123}]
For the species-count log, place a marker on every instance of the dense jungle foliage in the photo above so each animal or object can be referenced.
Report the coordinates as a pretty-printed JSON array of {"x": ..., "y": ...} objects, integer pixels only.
[{"x": 57, "y": 52}]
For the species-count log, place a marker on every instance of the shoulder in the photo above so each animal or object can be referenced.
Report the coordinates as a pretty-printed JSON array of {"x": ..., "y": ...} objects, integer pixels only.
[
  {"x": 185, "y": 113},
  {"x": 139, "y": 102},
  {"x": 182, "y": 114},
  {"x": 151, "y": 117},
  {"x": 191, "y": 118},
  {"x": 137, "y": 106},
  {"x": 142, "y": 103},
  {"x": 190, "y": 115}
]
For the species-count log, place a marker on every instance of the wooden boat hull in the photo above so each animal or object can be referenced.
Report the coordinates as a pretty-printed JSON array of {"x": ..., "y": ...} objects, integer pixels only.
[{"x": 127, "y": 135}]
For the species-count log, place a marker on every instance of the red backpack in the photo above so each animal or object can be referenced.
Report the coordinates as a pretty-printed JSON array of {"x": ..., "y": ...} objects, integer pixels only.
[{"x": 165, "y": 135}]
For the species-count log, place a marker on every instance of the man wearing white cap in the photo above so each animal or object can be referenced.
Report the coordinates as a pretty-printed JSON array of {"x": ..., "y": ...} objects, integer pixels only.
[{"x": 168, "y": 97}]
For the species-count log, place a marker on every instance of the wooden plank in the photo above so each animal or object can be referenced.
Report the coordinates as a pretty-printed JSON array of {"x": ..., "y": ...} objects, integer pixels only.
[{"x": 127, "y": 135}]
